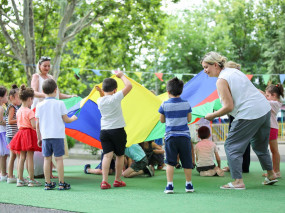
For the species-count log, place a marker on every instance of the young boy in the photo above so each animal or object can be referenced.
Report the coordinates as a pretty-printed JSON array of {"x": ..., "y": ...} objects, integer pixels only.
[
  {"x": 51, "y": 115},
  {"x": 113, "y": 136},
  {"x": 206, "y": 151},
  {"x": 176, "y": 113}
]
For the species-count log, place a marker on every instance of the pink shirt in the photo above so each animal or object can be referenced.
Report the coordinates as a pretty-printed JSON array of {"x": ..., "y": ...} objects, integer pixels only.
[
  {"x": 24, "y": 116},
  {"x": 205, "y": 151},
  {"x": 275, "y": 107}
]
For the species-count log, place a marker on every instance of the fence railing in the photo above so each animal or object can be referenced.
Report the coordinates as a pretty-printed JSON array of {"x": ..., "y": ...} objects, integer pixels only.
[{"x": 220, "y": 132}]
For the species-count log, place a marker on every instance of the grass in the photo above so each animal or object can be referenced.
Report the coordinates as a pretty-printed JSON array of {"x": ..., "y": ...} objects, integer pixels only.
[{"x": 144, "y": 194}]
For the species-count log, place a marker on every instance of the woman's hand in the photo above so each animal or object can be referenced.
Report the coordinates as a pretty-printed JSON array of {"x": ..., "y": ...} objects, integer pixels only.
[{"x": 210, "y": 116}]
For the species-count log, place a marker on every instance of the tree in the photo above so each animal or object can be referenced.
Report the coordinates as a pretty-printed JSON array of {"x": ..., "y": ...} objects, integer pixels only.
[{"x": 75, "y": 16}]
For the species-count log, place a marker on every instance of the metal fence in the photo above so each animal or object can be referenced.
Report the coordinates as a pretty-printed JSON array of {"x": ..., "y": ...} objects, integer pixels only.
[{"x": 220, "y": 132}]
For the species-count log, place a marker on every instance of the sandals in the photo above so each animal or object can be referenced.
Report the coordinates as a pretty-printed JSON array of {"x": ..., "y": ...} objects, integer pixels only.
[
  {"x": 63, "y": 186},
  {"x": 105, "y": 185},
  {"x": 119, "y": 183},
  {"x": 267, "y": 181},
  {"x": 50, "y": 186},
  {"x": 231, "y": 186}
]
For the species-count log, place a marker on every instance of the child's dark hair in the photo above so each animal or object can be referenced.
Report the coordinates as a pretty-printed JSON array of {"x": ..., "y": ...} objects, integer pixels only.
[
  {"x": 49, "y": 86},
  {"x": 109, "y": 84},
  {"x": 13, "y": 90},
  {"x": 204, "y": 132},
  {"x": 175, "y": 86},
  {"x": 277, "y": 89},
  {"x": 3, "y": 91},
  {"x": 26, "y": 92}
]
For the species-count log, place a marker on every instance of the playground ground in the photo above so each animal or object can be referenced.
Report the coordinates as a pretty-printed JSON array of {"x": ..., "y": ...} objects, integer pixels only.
[{"x": 144, "y": 194}]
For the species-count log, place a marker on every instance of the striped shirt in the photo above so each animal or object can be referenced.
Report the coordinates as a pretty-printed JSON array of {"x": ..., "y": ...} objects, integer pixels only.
[
  {"x": 11, "y": 129},
  {"x": 176, "y": 111}
]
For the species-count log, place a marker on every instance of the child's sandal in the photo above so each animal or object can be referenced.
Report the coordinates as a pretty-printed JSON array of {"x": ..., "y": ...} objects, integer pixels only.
[
  {"x": 63, "y": 186},
  {"x": 50, "y": 186}
]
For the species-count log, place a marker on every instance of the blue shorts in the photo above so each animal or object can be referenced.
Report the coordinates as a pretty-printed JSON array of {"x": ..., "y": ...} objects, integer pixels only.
[
  {"x": 159, "y": 141},
  {"x": 53, "y": 146},
  {"x": 178, "y": 145}
]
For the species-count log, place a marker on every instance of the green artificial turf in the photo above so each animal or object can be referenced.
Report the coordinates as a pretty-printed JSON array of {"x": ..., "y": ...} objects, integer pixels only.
[{"x": 144, "y": 194}]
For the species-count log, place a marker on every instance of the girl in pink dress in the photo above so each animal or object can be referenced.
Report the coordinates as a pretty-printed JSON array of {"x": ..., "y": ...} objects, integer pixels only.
[{"x": 25, "y": 141}]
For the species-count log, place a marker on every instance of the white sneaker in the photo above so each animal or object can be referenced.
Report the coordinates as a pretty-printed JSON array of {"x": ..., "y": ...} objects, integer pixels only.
[
  {"x": 3, "y": 178},
  {"x": 12, "y": 180}
]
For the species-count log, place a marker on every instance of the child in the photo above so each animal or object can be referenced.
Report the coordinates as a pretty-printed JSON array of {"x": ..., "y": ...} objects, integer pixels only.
[
  {"x": 176, "y": 113},
  {"x": 154, "y": 153},
  {"x": 113, "y": 136},
  {"x": 98, "y": 169},
  {"x": 273, "y": 94},
  {"x": 140, "y": 162},
  {"x": 11, "y": 128},
  {"x": 4, "y": 151},
  {"x": 51, "y": 115},
  {"x": 206, "y": 151},
  {"x": 25, "y": 141}
]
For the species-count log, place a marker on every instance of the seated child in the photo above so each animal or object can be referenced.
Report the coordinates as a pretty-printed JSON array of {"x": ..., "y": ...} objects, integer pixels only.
[
  {"x": 98, "y": 169},
  {"x": 140, "y": 164},
  {"x": 206, "y": 151},
  {"x": 154, "y": 153}
]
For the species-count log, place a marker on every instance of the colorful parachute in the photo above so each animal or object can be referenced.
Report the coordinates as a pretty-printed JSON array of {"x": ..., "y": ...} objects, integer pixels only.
[{"x": 140, "y": 109}]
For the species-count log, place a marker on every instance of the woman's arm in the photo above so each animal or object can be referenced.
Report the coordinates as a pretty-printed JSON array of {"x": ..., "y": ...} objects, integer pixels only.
[
  {"x": 35, "y": 86},
  {"x": 227, "y": 99}
]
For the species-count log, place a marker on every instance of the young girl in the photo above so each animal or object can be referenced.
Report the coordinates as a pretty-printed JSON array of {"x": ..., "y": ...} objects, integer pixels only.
[
  {"x": 4, "y": 151},
  {"x": 206, "y": 152},
  {"x": 25, "y": 141},
  {"x": 273, "y": 93},
  {"x": 11, "y": 127}
]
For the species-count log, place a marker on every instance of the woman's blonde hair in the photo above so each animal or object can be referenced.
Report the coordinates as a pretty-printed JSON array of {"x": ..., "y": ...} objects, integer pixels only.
[
  {"x": 214, "y": 57},
  {"x": 232, "y": 64}
]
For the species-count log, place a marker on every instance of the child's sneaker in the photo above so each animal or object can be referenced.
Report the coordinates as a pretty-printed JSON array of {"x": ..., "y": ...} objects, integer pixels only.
[
  {"x": 33, "y": 183},
  {"x": 4, "y": 178},
  {"x": 189, "y": 188},
  {"x": 148, "y": 170},
  {"x": 12, "y": 180},
  {"x": 21, "y": 183},
  {"x": 86, "y": 167},
  {"x": 169, "y": 189}
]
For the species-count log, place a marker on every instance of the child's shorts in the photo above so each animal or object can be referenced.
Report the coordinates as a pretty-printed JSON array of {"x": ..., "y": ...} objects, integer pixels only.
[
  {"x": 273, "y": 134},
  {"x": 178, "y": 145},
  {"x": 53, "y": 146},
  {"x": 205, "y": 168},
  {"x": 113, "y": 140},
  {"x": 140, "y": 165}
]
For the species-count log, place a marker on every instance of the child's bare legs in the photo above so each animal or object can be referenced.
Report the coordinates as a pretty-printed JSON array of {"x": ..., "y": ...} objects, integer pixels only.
[
  {"x": 30, "y": 164},
  {"x": 21, "y": 165},
  {"x": 60, "y": 168},
  {"x": 47, "y": 163},
  {"x": 3, "y": 166},
  {"x": 119, "y": 167},
  {"x": 106, "y": 165},
  {"x": 170, "y": 172},
  {"x": 188, "y": 174},
  {"x": 11, "y": 164},
  {"x": 130, "y": 172},
  {"x": 219, "y": 171},
  {"x": 275, "y": 155}
]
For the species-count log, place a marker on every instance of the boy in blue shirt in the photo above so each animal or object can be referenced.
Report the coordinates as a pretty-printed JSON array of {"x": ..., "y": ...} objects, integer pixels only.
[{"x": 176, "y": 113}]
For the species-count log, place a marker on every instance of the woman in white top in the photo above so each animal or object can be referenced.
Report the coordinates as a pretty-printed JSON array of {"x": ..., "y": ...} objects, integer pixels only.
[
  {"x": 43, "y": 68},
  {"x": 241, "y": 99}
]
